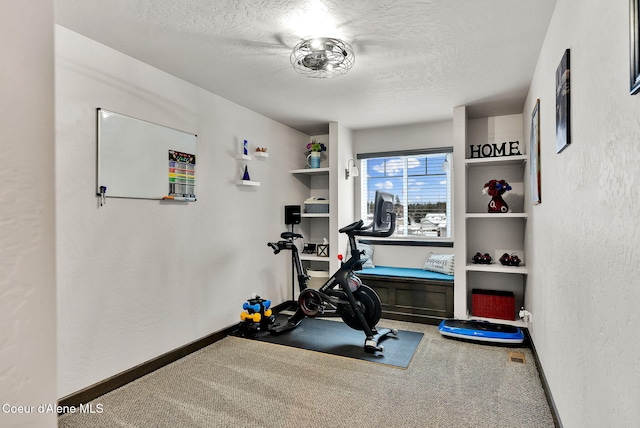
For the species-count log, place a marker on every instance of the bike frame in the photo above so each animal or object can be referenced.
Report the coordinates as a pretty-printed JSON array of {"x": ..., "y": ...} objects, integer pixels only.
[{"x": 338, "y": 279}]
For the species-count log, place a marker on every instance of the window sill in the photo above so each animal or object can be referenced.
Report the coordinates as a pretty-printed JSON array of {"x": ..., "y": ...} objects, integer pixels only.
[{"x": 408, "y": 242}]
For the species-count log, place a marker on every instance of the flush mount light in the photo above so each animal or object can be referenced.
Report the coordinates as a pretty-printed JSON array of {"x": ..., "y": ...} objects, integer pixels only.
[{"x": 322, "y": 57}]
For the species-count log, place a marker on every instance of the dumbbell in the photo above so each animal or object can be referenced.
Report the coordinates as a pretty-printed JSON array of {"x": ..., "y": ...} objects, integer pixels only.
[
  {"x": 255, "y": 308},
  {"x": 253, "y": 317}
]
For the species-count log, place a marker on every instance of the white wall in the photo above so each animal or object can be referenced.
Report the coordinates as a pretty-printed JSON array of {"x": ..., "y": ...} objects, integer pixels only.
[
  {"x": 584, "y": 246},
  {"x": 138, "y": 278},
  {"x": 344, "y": 189},
  {"x": 403, "y": 137},
  {"x": 27, "y": 222}
]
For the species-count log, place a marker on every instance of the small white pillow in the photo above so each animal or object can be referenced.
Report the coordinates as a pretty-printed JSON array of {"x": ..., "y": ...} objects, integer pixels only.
[
  {"x": 442, "y": 263},
  {"x": 367, "y": 258}
]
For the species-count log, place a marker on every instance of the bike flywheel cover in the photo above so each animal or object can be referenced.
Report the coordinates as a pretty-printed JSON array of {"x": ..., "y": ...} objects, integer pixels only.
[{"x": 310, "y": 302}]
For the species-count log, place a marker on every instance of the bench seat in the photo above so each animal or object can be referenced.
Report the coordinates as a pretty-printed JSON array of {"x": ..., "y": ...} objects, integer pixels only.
[{"x": 410, "y": 294}]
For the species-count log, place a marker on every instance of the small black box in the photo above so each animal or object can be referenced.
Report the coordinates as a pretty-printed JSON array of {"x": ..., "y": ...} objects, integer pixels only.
[{"x": 292, "y": 214}]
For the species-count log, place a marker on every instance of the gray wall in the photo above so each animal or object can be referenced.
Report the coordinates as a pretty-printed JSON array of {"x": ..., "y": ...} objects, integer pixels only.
[
  {"x": 584, "y": 238},
  {"x": 27, "y": 222},
  {"x": 138, "y": 278}
]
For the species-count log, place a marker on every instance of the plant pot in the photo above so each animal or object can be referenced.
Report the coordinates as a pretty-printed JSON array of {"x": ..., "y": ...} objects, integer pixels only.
[{"x": 313, "y": 160}]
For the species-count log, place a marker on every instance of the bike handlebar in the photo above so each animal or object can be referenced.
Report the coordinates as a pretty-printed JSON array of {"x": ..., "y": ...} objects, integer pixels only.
[
  {"x": 353, "y": 226},
  {"x": 358, "y": 228},
  {"x": 276, "y": 250}
]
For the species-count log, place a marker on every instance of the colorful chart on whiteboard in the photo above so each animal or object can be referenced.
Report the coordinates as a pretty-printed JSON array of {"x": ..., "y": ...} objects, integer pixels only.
[{"x": 182, "y": 176}]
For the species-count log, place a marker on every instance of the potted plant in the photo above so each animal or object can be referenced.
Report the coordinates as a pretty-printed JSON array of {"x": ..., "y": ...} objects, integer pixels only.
[{"x": 314, "y": 150}]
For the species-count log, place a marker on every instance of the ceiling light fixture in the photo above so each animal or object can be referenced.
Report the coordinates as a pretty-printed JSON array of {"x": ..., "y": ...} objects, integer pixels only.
[{"x": 322, "y": 57}]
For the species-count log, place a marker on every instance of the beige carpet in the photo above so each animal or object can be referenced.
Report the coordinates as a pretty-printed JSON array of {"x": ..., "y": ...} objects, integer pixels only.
[{"x": 244, "y": 383}]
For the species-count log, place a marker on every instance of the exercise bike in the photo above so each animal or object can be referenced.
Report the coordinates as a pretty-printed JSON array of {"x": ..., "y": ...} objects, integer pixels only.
[{"x": 344, "y": 294}]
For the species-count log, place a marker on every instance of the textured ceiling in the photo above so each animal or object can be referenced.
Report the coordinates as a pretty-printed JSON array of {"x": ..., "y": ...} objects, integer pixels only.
[{"x": 415, "y": 60}]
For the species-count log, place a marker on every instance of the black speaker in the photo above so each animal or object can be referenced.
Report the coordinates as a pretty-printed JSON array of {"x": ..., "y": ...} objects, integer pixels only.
[{"x": 292, "y": 214}]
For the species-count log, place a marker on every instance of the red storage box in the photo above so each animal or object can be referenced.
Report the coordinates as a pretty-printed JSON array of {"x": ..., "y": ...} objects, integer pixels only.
[{"x": 493, "y": 304}]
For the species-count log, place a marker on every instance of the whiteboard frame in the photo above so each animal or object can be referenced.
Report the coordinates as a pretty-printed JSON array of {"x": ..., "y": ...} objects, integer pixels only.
[{"x": 132, "y": 155}]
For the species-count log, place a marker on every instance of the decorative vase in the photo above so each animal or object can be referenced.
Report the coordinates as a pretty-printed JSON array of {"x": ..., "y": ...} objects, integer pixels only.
[
  {"x": 245, "y": 176},
  {"x": 313, "y": 160},
  {"x": 498, "y": 205}
]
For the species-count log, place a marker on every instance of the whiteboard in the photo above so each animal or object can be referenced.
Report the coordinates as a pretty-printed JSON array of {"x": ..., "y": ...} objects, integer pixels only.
[{"x": 134, "y": 156}]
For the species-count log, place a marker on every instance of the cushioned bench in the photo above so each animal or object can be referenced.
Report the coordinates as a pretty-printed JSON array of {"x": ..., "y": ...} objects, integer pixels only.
[{"x": 410, "y": 294}]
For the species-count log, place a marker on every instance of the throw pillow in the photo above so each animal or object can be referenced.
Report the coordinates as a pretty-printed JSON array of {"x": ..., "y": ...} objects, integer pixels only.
[
  {"x": 367, "y": 258},
  {"x": 442, "y": 263}
]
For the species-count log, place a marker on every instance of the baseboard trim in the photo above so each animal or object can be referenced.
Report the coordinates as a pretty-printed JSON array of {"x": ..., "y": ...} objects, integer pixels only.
[
  {"x": 100, "y": 388},
  {"x": 545, "y": 385}
]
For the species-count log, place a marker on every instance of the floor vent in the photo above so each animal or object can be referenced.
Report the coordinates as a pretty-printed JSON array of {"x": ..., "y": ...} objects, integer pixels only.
[{"x": 517, "y": 357}]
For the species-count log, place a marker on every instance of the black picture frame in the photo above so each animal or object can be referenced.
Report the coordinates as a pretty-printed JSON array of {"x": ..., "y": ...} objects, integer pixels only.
[
  {"x": 634, "y": 46},
  {"x": 563, "y": 103}
]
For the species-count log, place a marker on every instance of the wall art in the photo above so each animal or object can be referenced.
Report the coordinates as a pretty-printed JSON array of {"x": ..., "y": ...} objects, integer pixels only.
[
  {"x": 534, "y": 150},
  {"x": 563, "y": 104},
  {"x": 634, "y": 45}
]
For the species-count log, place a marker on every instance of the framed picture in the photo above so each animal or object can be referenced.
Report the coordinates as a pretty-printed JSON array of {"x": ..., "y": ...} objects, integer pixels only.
[
  {"x": 534, "y": 150},
  {"x": 563, "y": 104},
  {"x": 634, "y": 45}
]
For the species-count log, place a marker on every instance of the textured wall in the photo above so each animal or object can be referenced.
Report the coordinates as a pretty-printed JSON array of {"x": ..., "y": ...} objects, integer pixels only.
[
  {"x": 27, "y": 261},
  {"x": 138, "y": 278},
  {"x": 583, "y": 288}
]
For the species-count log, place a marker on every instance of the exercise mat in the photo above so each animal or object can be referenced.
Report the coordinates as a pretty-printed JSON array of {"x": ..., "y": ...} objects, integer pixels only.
[{"x": 336, "y": 338}]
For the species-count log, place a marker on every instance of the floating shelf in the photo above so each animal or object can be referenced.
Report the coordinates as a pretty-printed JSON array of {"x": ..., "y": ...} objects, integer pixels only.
[
  {"x": 243, "y": 157},
  {"x": 263, "y": 155},
  {"x": 247, "y": 183}
]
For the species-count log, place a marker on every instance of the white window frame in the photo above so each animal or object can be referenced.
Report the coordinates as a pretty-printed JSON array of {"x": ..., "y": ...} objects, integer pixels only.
[{"x": 402, "y": 229}]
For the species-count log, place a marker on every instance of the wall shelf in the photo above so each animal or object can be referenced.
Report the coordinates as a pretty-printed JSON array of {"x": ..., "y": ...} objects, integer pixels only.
[
  {"x": 247, "y": 183},
  {"x": 497, "y": 268},
  {"x": 262, "y": 155},
  {"x": 313, "y": 258},
  {"x": 312, "y": 215},
  {"x": 497, "y": 215},
  {"x": 310, "y": 171},
  {"x": 517, "y": 323},
  {"x": 496, "y": 161},
  {"x": 243, "y": 157}
]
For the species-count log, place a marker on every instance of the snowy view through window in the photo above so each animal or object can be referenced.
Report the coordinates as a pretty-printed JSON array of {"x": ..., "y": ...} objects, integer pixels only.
[{"x": 421, "y": 189}]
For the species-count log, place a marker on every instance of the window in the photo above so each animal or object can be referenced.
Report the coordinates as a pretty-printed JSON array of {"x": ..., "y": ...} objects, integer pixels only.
[{"x": 422, "y": 188}]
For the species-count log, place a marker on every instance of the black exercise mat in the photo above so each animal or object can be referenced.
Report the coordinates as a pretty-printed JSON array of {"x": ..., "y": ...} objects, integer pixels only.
[{"x": 336, "y": 338}]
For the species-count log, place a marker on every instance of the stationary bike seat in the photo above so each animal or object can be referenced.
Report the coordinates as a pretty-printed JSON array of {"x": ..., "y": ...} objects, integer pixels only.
[{"x": 290, "y": 235}]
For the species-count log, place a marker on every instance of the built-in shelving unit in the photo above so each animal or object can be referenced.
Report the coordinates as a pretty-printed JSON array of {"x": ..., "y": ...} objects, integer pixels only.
[
  {"x": 315, "y": 226},
  {"x": 484, "y": 232}
]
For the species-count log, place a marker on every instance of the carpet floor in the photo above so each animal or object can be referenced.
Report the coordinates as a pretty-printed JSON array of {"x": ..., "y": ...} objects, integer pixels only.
[{"x": 237, "y": 382}]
